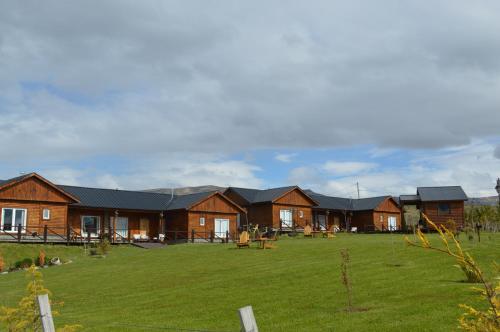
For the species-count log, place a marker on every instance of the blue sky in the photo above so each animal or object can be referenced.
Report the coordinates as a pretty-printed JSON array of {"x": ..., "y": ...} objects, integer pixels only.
[{"x": 325, "y": 96}]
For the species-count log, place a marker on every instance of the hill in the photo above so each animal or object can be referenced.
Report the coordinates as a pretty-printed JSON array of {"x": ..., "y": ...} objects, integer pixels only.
[{"x": 187, "y": 190}]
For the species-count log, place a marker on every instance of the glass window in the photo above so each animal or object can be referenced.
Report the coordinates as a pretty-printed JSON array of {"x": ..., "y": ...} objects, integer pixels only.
[
  {"x": 444, "y": 208},
  {"x": 202, "y": 221},
  {"x": 90, "y": 224},
  {"x": 12, "y": 219},
  {"x": 46, "y": 214}
]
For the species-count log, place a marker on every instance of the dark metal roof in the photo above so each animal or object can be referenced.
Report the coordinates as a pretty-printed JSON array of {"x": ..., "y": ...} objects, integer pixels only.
[
  {"x": 348, "y": 204},
  {"x": 409, "y": 198},
  {"x": 16, "y": 179},
  {"x": 332, "y": 203},
  {"x": 370, "y": 203},
  {"x": 261, "y": 196},
  {"x": 117, "y": 199},
  {"x": 186, "y": 201},
  {"x": 451, "y": 193}
]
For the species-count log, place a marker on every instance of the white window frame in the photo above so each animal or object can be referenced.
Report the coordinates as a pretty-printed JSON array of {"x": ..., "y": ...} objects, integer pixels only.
[
  {"x": 46, "y": 217},
  {"x": 98, "y": 230},
  {"x": 13, "y": 225},
  {"x": 301, "y": 214},
  {"x": 202, "y": 221}
]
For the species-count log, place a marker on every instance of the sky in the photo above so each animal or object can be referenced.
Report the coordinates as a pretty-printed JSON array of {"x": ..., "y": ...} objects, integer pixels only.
[{"x": 321, "y": 94}]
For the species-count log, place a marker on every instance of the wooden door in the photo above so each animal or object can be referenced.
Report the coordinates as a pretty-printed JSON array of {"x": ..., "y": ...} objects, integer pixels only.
[{"x": 144, "y": 226}]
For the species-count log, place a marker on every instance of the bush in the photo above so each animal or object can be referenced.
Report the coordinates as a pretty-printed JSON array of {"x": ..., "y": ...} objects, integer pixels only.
[
  {"x": 23, "y": 264},
  {"x": 104, "y": 247},
  {"x": 40, "y": 261}
]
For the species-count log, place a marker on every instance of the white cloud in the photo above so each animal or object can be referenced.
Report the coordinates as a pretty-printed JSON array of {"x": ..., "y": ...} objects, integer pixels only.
[
  {"x": 176, "y": 171},
  {"x": 338, "y": 168},
  {"x": 285, "y": 157},
  {"x": 473, "y": 166}
]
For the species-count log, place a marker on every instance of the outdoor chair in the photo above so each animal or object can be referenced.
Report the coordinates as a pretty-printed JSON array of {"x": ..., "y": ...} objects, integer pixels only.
[
  {"x": 244, "y": 240},
  {"x": 354, "y": 229}
]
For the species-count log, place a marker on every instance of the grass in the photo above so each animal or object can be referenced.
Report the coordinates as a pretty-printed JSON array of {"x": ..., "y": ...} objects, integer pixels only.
[{"x": 295, "y": 287}]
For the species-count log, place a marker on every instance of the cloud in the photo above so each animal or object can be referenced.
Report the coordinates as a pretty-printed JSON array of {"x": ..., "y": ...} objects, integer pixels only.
[
  {"x": 169, "y": 76},
  {"x": 497, "y": 152},
  {"x": 473, "y": 167},
  {"x": 178, "y": 171},
  {"x": 347, "y": 167},
  {"x": 285, "y": 157},
  {"x": 166, "y": 82}
]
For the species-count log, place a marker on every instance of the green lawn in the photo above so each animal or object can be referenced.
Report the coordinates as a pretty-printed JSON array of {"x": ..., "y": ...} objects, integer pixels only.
[{"x": 295, "y": 287}]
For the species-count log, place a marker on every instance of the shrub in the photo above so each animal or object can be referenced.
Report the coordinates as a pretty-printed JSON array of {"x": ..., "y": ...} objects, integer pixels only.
[
  {"x": 26, "y": 316},
  {"x": 23, "y": 264},
  {"x": 472, "y": 319},
  {"x": 41, "y": 259},
  {"x": 104, "y": 247}
]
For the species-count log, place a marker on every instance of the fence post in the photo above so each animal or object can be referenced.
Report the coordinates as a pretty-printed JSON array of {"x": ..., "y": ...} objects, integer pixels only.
[
  {"x": 175, "y": 236},
  {"x": 247, "y": 320},
  {"x": 192, "y": 235},
  {"x": 212, "y": 235},
  {"x": 19, "y": 230},
  {"x": 227, "y": 236},
  {"x": 45, "y": 234},
  {"x": 68, "y": 234},
  {"x": 88, "y": 237},
  {"x": 45, "y": 313}
]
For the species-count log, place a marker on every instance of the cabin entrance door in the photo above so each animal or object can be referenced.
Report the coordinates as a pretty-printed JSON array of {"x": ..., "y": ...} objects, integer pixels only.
[
  {"x": 221, "y": 227},
  {"x": 392, "y": 224},
  {"x": 122, "y": 227},
  {"x": 144, "y": 227}
]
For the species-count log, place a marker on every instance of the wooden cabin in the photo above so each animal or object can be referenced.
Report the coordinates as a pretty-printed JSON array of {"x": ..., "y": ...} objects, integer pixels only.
[
  {"x": 123, "y": 214},
  {"x": 204, "y": 216},
  {"x": 29, "y": 202},
  {"x": 282, "y": 208},
  {"x": 443, "y": 205},
  {"x": 366, "y": 214}
]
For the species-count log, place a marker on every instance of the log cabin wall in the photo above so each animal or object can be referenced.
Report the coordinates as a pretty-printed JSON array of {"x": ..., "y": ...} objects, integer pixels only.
[
  {"x": 261, "y": 214},
  {"x": 363, "y": 220},
  {"x": 177, "y": 220},
  {"x": 34, "y": 221},
  {"x": 106, "y": 219},
  {"x": 301, "y": 215},
  {"x": 456, "y": 212},
  {"x": 34, "y": 195},
  {"x": 204, "y": 231}
]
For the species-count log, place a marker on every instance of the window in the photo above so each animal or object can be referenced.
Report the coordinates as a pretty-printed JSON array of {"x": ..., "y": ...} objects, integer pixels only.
[
  {"x": 381, "y": 218},
  {"x": 301, "y": 214},
  {"x": 46, "y": 214},
  {"x": 444, "y": 208},
  {"x": 202, "y": 221},
  {"x": 12, "y": 219},
  {"x": 286, "y": 219},
  {"x": 90, "y": 225}
]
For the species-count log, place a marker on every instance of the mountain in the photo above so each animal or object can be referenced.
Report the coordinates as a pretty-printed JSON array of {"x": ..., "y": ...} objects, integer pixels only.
[
  {"x": 187, "y": 190},
  {"x": 491, "y": 200}
]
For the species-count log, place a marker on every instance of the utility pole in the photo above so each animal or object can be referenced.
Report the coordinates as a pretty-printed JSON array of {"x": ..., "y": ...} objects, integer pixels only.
[
  {"x": 357, "y": 186},
  {"x": 497, "y": 188}
]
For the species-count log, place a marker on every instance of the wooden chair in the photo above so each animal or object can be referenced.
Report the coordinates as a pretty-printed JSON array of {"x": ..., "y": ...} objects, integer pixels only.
[
  {"x": 307, "y": 231},
  {"x": 244, "y": 240}
]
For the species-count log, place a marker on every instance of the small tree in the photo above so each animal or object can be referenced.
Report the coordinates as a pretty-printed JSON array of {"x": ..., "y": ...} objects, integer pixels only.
[
  {"x": 345, "y": 276},
  {"x": 26, "y": 316}
]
